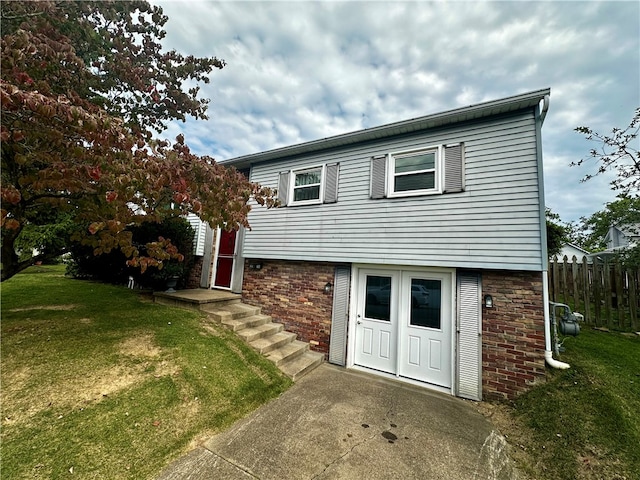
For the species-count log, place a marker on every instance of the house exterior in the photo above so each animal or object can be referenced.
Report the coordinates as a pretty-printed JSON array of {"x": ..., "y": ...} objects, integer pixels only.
[
  {"x": 622, "y": 236},
  {"x": 618, "y": 239},
  {"x": 389, "y": 239},
  {"x": 570, "y": 250}
]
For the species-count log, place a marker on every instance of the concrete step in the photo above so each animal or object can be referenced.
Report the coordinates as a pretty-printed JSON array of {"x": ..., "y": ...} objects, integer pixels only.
[
  {"x": 237, "y": 324},
  {"x": 267, "y": 344},
  {"x": 260, "y": 331},
  {"x": 197, "y": 299},
  {"x": 230, "y": 312},
  {"x": 301, "y": 365},
  {"x": 288, "y": 352}
]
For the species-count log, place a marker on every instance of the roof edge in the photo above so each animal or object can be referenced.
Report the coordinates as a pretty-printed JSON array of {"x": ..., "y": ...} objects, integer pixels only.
[{"x": 460, "y": 114}]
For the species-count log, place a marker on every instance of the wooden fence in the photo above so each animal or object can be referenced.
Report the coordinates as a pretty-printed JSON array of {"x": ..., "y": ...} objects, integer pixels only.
[{"x": 604, "y": 292}]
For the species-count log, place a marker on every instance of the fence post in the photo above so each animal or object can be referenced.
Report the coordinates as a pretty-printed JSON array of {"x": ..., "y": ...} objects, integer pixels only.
[
  {"x": 574, "y": 280},
  {"x": 597, "y": 287},
  {"x": 620, "y": 297},
  {"x": 585, "y": 290},
  {"x": 565, "y": 285},
  {"x": 633, "y": 298},
  {"x": 606, "y": 276}
]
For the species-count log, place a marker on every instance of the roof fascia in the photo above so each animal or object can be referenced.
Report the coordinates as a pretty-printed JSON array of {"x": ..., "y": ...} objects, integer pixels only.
[{"x": 458, "y": 115}]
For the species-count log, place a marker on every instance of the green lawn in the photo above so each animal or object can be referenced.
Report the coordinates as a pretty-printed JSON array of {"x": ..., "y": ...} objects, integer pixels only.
[
  {"x": 99, "y": 383},
  {"x": 583, "y": 423}
]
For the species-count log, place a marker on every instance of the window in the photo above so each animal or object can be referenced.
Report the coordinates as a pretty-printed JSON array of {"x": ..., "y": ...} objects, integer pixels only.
[
  {"x": 309, "y": 186},
  {"x": 415, "y": 173},
  {"x": 306, "y": 186},
  {"x": 430, "y": 170}
]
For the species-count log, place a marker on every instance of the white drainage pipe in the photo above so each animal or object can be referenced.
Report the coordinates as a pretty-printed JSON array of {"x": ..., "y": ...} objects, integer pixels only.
[{"x": 548, "y": 353}]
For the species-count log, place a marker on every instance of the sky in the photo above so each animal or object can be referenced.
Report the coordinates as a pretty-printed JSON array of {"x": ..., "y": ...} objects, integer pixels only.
[{"x": 301, "y": 71}]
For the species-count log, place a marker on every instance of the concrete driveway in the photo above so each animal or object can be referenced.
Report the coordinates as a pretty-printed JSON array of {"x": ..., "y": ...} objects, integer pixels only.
[{"x": 341, "y": 424}]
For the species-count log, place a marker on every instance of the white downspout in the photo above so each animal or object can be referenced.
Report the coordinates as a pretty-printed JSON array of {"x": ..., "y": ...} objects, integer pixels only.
[{"x": 548, "y": 353}]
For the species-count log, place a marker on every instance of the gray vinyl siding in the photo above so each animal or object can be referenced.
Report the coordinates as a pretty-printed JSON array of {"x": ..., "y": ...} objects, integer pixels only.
[{"x": 493, "y": 223}]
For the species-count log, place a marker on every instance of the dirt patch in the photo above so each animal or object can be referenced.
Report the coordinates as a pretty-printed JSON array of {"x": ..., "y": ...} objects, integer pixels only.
[
  {"x": 514, "y": 432},
  {"x": 78, "y": 390},
  {"x": 140, "y": 346},
  {"x": 211, "y": 330},
  {"x": 44, "y": 307}
]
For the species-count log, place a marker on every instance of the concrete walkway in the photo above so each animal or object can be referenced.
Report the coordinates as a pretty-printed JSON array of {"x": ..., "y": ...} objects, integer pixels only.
[{"x": 340, "y": 424}]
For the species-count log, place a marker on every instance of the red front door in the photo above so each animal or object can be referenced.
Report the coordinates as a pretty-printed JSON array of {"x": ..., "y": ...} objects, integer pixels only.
[{"x": 226, "y": 258}]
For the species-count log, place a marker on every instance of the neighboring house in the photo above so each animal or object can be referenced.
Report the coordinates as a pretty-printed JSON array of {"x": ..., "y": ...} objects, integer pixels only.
[
  {"x": 622, "y": 236},
  {"x": 388, "y": 239},
  {"x": 618, "y": 238},
  {"x": 570, "y": 250}
]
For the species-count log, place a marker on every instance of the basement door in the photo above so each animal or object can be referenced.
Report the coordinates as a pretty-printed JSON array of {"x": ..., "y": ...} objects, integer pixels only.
[
  {"x": 404, "y": 324},
  {"x": 225, "y": 258}
]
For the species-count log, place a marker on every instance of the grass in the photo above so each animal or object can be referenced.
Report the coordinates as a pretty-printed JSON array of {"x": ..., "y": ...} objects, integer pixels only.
[
  {"x": 582, "y": 423},
  {"x": 98, "y": 383}
]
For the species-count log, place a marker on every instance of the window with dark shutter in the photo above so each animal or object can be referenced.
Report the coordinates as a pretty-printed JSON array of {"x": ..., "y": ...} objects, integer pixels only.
[
  {"x": 426, "y": 171},
  {"x": 309, "y": 186}
]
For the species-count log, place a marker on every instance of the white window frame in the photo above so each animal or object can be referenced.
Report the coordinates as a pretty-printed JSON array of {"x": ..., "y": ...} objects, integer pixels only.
[
  {"x": 292, "y": 187},
  {"x": 438, "y": 172}
]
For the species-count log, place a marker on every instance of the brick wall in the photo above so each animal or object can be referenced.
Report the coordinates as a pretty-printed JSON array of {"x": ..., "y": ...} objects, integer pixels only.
[
  {"x": 512, "y": 333},
  {"x": 193, "y": 281},
  {"x": 293, "y": 294}
]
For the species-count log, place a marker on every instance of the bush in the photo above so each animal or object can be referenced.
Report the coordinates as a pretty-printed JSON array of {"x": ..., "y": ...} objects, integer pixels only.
[{"x": 112, "y": 268}]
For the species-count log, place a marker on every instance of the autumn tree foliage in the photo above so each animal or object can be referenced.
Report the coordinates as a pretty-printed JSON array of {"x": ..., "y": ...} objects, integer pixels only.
[{"x": 85, "y": 87}]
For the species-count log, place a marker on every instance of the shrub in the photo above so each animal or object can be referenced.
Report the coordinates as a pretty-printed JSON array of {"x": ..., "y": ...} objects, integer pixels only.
[{"x": 112, "y": 268}]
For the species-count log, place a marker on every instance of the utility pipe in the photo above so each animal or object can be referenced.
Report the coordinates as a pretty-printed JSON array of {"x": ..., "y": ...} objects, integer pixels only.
[{"x": 548, "y": 353}]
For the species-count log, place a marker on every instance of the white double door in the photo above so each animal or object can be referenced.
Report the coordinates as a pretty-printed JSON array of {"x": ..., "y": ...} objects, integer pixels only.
[{"x": 404, "y": 324}]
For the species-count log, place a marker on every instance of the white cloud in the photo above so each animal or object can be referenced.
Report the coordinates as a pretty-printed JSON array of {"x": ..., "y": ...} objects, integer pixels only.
[{"x": 307, "y": 70}]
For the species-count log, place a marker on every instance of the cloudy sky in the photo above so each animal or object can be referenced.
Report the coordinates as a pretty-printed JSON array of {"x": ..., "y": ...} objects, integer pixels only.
[{"x": 307, "y": 70}]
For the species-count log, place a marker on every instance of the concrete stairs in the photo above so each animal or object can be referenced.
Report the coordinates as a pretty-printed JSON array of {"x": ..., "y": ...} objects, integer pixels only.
[{"x": 293, "y": 357}]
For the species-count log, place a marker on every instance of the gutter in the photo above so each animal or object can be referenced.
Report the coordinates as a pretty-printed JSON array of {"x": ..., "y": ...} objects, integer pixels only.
[
  {"x": 545, "y": 109},
  {"x": 548, "y": 353},
  {"x": 458, "y": 115}
]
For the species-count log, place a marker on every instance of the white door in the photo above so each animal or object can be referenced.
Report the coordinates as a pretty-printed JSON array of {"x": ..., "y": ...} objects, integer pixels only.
[
  {"x": 376, "y": 320},
  {"x": 425, "y": 327},
  {"x": 404, "y": 324}
]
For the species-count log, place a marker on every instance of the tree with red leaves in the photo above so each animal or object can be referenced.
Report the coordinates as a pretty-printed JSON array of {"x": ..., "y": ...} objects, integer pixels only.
[{"x": 84, "y": 87}]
